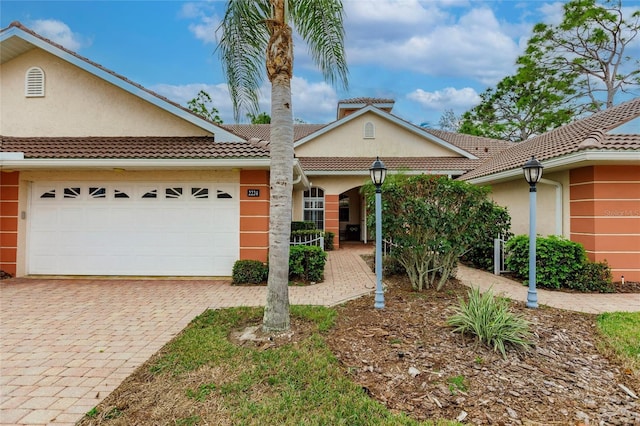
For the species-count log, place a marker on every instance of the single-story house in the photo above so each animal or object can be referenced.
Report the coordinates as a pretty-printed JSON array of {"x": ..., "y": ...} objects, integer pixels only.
[{"x": 101, "y": 176}]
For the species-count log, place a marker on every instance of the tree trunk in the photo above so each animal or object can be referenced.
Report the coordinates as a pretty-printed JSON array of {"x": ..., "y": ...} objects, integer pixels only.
[
  {"x": 276, "y": 313},
  {"x": 279, "y": 70}
]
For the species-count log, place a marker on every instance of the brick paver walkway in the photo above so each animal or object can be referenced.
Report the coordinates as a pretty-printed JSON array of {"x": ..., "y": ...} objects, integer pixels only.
[
  {"x": 66, "y": 344},
  {"x": 589, "y": 303}
]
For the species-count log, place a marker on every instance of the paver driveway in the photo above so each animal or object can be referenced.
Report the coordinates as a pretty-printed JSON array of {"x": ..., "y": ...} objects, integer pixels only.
[{"x": 66, "y": 344}]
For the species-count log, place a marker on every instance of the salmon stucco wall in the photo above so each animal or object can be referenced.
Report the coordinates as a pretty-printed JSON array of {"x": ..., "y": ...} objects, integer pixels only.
[
  {"x": 9, "y": 183},
  {"x": 254, "y": 215},
  {"x": 331, "y": 222},
  {"x": 605, "y": 216}
]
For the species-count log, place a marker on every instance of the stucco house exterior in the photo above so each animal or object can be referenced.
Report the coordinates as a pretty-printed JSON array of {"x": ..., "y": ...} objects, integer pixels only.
[
  {"x": 100, "y": 176},
  {"x": 590, "y": 187}
]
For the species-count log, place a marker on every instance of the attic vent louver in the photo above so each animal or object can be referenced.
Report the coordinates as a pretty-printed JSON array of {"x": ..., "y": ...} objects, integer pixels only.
[
  {"x": 34, "y": 83},
  {"x": 369, "y": 130}
]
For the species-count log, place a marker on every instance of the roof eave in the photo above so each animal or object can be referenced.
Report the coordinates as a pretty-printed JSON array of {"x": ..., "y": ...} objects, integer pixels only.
[
  {"x": 580, "y": 158},
  {"x": 135, "y": 164}
]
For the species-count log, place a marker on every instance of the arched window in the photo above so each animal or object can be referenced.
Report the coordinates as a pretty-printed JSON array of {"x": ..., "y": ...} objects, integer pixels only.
[
  {"x": 34, "y": 83},
  {"x": 313, "y": 210},
  {"x": 369, "y": 130}
]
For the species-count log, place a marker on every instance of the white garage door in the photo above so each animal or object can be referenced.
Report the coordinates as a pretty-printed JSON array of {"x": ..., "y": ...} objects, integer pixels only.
[{"x": 183, "y": 229}]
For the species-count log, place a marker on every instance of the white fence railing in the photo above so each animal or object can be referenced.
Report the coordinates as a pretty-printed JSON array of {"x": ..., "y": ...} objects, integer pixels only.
[
  {"x": 498, "y": 256},
  {"x": 308, "y": 240}
]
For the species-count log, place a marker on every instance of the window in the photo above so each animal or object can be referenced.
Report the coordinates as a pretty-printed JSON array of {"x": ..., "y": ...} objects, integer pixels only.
[
  {"x": 369, "y": 130},
  {"x": 223, "y": 194},
  {"x": 49, "y": 194},
  {"x": 71, "y": 192},
  {"x": 119, "y": 194},
  {"x": 97, "y": 192},
  {"x": 151, "y": 194},
  {"x": 344, "y": 208},
  {"x": 34, "y": 83},
  {"x": 173, "y": 193},
  {"x": 314, "y": 207},
  {"x": 201, "y": 193}
]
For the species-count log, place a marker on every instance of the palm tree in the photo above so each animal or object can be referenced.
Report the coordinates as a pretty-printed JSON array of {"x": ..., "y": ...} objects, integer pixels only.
[{"x": 257, "y": 32}]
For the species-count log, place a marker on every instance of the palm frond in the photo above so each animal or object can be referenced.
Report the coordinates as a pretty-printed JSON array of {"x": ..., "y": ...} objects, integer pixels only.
[
  {"x": 243, "y": 39},
  {"x": 320, "y": 24}
]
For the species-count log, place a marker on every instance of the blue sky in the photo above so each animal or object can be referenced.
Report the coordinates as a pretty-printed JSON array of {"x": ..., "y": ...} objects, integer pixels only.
[{"x": 427, "y": 55}]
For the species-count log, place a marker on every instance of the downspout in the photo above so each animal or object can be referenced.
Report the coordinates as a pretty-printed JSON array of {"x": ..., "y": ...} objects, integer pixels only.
[{"x": 559, "y": 218}]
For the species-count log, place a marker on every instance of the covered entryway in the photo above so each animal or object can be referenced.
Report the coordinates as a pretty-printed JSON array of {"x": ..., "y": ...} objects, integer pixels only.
[
  {"x": 352, "y": 216},
  {"x": 141, "y": 228}
]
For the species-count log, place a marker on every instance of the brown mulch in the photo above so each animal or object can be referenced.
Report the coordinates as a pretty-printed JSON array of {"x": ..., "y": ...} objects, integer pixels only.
[{"x": 407, "y": 357}]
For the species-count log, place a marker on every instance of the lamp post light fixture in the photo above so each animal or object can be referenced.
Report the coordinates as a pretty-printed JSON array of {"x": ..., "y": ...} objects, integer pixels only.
[
  {"x": 532, "y": 173},
  {"x": 378, "y": 173}
]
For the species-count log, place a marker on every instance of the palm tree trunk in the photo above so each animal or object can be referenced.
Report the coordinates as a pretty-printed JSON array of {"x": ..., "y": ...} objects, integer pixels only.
[
  {"x": 279, "y": 70},
  {"x": 276, "y": 313}
]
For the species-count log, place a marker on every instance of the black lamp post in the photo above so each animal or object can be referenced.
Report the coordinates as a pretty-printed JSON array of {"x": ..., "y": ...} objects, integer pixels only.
[
  {"x": 378, "y": 173},
  {"x": 532, "y": 173}
]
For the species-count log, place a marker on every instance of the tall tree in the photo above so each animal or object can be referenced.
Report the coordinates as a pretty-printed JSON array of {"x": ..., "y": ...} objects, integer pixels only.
[
  {"x": 200, "y": 105},
  {"x": 526, "y": 104},
  {"x": 262, "y": 118},
  {"x": 257, "y": 32},
  {"x": 589, "y": 45},
  {"x": 449, "y": 121}
]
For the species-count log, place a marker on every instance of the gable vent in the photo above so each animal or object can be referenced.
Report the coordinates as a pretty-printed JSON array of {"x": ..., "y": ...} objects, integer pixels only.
[
  {"x": 369, "y": 130},
  {"x": 34, "y": 83}
]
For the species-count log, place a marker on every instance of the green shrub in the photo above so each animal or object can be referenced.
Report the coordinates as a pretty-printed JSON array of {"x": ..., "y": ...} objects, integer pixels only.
[
  {"x": 249, "y": 272},
  {"x": 307, "y": 263},
  {"x": 489, "y": 319},
  {"x": 560, "y": 263},
  {"x": 328, "y": 240},
  {"x": 391, "y": 266},
  {"x": 497, "y": 222},
  {"x": 596, "y": 276},
  {"x": 302, "y": 226}
]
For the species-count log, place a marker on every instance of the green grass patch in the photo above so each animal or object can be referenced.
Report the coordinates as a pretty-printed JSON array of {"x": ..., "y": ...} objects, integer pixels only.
[
  {"x": 621, "y": 333},
  {"x": 293, "y": 384}
]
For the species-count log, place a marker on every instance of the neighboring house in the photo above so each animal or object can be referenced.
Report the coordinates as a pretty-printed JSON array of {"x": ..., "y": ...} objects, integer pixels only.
[
  {"x": 590, "y": 188},
  {"x": 101, "y": 176}
]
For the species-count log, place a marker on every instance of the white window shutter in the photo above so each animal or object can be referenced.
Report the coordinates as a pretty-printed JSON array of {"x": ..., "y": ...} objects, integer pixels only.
[{"x": 34, "y": 83}]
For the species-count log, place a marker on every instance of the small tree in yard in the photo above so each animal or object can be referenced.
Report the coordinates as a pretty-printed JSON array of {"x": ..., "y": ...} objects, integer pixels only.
[{"x": 432, "y": 221}]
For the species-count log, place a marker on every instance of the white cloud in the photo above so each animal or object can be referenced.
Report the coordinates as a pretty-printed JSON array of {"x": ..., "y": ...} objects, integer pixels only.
[
  {"x": 207, "y": 21},
  {"x": 59, "y": 32},
  {"x": 475, "y": 46},
  {"x": 312, "y": 102},
  {"x": 552, "y": 13},
  {"x": 447, "y": 98}
]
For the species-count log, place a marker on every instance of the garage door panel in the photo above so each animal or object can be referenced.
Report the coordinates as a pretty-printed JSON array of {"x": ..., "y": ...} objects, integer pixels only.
[{"x": 110, "y": 229}]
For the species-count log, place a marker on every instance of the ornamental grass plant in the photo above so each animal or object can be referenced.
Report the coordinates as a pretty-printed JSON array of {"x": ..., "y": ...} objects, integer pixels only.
[{"x": 488, "y": 318}]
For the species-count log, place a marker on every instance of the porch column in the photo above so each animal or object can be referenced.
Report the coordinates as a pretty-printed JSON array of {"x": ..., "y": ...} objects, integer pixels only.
[
  {"x": 9, "y": 183},
  {"x": 331, "y": 217}
]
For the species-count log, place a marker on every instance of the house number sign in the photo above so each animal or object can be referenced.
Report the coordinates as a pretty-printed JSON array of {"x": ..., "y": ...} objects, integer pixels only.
[{"x": 253, "y": 192}]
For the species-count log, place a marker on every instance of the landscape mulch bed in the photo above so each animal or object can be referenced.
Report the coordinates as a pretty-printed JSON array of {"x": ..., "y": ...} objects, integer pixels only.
[{"x": 407, "y": 357}]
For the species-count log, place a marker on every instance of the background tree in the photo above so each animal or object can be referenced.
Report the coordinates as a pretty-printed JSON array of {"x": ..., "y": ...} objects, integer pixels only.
[
  {"x": 588, "y": 46},
  {"x": 563, "y": 74},
  {"x": 262, "y": 118},
  {"x": 449, "y": 121},
  {"x": 257, "y": 32},
  {"x": 201, "y": 106},
  {"x": 521, "y": 106}
]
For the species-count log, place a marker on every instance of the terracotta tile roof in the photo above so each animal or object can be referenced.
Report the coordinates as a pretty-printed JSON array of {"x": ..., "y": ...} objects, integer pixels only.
[
  {"x": 481, "y": 147},
  {"x": 17, "y": 24},
  {"x": 368, "y": 101},
  {"x": 150, "y": 147},
  {"x": 588, "y": 133},
  {"x": 263, "y": 131},
  {"x": 349, "y": 164}
]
